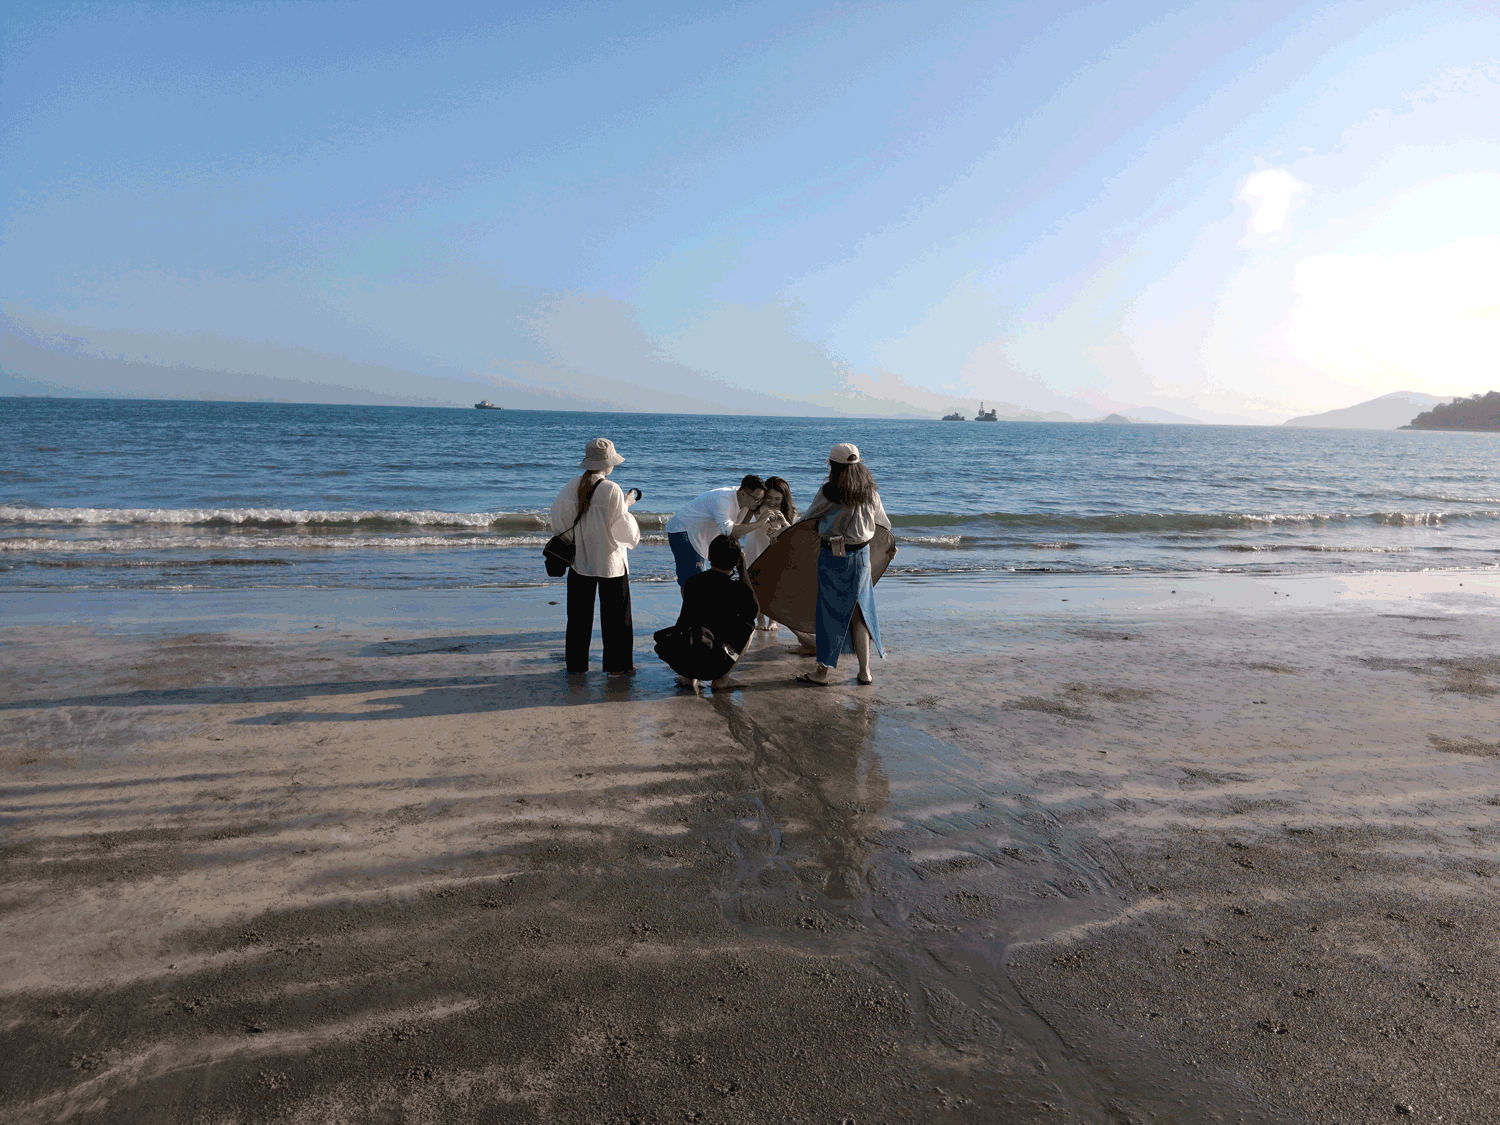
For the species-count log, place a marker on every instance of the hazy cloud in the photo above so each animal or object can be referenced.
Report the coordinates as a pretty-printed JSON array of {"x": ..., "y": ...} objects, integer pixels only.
[{"x": 1270, "y": 195}]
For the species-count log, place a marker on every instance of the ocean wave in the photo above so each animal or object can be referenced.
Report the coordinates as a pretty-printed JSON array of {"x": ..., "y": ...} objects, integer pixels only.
[
  {"x": 1316, "y": 548},
  {"x": 173, "y": 564},
  {"x": 269, "y": 517},
  {"x": 271, "y": 542},
  {"x": 343, "y": 520},
  {"x": 931, "y": 540},
  {"x": 1135, "y": 523}
]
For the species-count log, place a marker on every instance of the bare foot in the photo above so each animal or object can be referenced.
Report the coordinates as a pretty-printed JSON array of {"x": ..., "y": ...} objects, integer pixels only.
[{"x": 691, "y": 685}]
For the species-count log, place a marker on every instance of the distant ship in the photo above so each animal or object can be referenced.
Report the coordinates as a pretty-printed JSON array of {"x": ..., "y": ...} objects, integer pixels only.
[
  {"x": 954, "y": 417},
  {"x": 487, "y": 405},
  {"x": 986, "y": 415}
]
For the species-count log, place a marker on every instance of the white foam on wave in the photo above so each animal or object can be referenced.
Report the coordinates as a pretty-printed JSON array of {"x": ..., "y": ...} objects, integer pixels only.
[
  {"x": 931, "y": 540},
  {"x": 267, "y": 517},
  {"x": 268, "y": 542}
]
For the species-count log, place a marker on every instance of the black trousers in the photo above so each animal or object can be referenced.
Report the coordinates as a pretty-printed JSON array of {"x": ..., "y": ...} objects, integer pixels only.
[{"x": 615, "y": 624}]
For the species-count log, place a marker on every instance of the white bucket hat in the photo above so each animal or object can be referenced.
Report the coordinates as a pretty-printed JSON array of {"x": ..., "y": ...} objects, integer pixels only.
[
  {"x": 600, "y": 454},
  {"x": 844, "y": 453}
]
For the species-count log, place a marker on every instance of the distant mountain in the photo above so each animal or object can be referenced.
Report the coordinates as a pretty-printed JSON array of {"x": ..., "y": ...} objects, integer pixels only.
[
  {"x": 1477, "y": 412},
  {"x": 1388, "y": 412},
  {"x": 1146, "y": 414}
]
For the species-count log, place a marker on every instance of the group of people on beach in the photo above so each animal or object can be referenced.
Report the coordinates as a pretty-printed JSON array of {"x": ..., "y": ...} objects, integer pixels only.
[{"x": 713, "y": 539}]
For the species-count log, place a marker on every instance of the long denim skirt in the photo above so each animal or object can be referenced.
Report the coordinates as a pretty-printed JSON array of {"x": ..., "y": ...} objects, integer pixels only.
[{"x": 844, "y": 583}]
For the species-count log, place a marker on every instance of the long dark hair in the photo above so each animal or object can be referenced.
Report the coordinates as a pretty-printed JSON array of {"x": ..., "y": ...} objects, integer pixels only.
[
  {"x": 586, "y": 485},
  {"x": 788, "y": 506},
  {"x": 850, "y": 485}
]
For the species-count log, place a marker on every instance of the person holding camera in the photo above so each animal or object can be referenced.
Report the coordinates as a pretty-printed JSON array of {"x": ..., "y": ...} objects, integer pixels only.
[
  {"x": 719, "y": 511},
  {"x": 604, "y": 530}
]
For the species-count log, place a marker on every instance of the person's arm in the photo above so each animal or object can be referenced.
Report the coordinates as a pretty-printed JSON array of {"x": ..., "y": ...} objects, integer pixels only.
[
  {"x": 729, "y": 519},
  {"x": 738, "y": 529},
  {"x": 736, "y": 614},
  {"x": 692, "y": 602},
  {"x": 749, "y": 607},
  {"x": 623, "y": 528},
  {"x": 883, "y": 520},
  {"x": 564, "y": 508}
]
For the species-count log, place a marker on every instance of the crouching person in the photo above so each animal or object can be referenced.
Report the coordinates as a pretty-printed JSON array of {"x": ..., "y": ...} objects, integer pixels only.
[{"x": 716, "y": 623}]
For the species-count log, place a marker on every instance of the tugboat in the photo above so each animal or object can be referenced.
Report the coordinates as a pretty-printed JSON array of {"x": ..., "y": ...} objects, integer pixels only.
[
  {"x": 487, "y": 405},
  {"x": 954, "y": 417},
  {"x": 986, "y": 415}
]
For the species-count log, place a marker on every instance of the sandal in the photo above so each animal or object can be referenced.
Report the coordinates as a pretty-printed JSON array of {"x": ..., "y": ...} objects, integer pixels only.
[
  {"x": 864, "y": 682},
  {"x": 806, "y": 678}
]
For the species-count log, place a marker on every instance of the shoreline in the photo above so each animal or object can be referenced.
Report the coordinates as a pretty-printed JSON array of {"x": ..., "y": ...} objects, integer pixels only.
[
  {"x": 1215, "y": 856},
  {"x": 655, "y": 603}
]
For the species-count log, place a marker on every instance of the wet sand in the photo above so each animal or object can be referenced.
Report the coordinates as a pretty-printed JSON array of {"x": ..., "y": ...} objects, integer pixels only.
[{"x": 1215, "y": 856}]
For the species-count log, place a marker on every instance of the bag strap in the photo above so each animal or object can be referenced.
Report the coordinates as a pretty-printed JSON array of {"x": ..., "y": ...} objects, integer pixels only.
[{"x": 588, "y": 500}]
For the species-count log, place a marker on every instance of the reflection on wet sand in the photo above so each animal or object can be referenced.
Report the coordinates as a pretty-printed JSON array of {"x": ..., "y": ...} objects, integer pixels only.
[{"x": 822, "y": 778}]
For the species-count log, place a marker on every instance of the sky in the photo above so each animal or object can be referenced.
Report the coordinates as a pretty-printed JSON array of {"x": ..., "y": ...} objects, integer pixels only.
[{"x": 1214, "y": 211}]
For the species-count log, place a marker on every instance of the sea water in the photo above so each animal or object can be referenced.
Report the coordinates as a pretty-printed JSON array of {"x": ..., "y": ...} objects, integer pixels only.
[{"x": 151, "y": 494}]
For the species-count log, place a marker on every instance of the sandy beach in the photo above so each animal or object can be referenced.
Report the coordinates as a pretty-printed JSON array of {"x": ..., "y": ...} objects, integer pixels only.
[{"x": 1088, "y": 850}]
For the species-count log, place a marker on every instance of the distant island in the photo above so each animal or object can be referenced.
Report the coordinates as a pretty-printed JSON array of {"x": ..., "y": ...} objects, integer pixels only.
[
  {"x": 1477, "y": 412},
  {"x": 1115, "y": 420}
]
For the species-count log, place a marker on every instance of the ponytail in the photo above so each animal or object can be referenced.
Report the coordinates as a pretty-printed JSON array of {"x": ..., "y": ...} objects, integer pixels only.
[{"x": 586, "y": 485}]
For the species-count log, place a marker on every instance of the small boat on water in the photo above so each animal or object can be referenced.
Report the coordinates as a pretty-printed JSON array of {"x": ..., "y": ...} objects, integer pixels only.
[
  {"x": 954, "y": 417},
  {"x": 487, "y": 405},
  {"x": 986, "y": 415}
]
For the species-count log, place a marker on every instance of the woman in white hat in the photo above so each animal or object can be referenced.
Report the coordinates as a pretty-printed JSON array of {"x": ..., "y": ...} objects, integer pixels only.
[
  {"x": 604, "y": 532},
  {"x": 847, "y": 511}
]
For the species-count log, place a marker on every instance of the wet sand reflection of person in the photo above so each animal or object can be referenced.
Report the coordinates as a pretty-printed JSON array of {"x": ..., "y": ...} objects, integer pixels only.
[{"x": 821, "y": 779}]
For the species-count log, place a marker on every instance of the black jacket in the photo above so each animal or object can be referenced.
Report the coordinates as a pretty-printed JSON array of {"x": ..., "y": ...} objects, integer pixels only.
[{"x": 715, "y": 625}]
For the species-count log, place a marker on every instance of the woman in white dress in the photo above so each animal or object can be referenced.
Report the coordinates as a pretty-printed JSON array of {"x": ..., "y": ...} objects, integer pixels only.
[{"x": 774, "y": 514}]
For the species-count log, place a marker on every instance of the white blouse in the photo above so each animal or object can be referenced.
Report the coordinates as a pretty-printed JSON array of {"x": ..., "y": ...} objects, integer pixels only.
[
  {"x": 605, "y": 533},
  {"x": 757, "y": 539},
  {"x": 858, "y": 526}
]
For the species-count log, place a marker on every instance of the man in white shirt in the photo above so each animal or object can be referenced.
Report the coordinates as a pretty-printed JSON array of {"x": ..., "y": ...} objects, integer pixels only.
[{"x": 720, "y": 511}]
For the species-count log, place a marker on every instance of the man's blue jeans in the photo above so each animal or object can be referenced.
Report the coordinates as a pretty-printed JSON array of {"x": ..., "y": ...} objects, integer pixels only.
[{"x": 689, "y": 561}]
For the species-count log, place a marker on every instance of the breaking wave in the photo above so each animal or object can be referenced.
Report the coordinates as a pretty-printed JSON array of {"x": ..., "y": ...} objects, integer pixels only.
[
  {"x": 1136, "y": 523},
  {"x": 269, "y": 542},
  {"x": 336, "y": 519}
]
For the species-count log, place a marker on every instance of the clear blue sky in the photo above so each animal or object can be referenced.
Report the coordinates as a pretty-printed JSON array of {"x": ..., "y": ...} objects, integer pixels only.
[{"x": 1222, "y": 210}]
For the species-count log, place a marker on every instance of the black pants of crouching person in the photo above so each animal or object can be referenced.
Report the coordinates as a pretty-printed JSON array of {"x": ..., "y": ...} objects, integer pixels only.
[{"x": 616, "y": 627}]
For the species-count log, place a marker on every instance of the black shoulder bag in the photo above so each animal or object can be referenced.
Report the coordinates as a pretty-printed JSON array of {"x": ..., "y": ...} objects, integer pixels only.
[{"x": 560, "y": 550}]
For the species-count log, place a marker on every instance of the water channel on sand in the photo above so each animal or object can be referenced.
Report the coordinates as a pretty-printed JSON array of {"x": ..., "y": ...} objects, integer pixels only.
[{"x": 931, "y": 868}]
